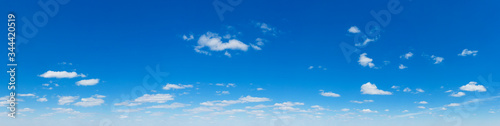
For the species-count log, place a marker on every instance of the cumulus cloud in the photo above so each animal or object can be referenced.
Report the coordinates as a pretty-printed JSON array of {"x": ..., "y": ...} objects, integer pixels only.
[
  {"x": 214, "y": 42},
  {"x": 453, "y": 104},
  {"x": 437, "y": 59},
  {"x": 365, "y": 61},
  {"x": 329, "y": 94},
  {"x": 407, "y": 55},
  {"x": 87, "y": 82},
  {"x": 63, "y": 100},
  {"x": 288, "y": 106},
  {"x": 458, "y": 94},
  {"x": 95, "y": 100},
  {"x": 368, "y": 111},
  {"x": 471, "y": 86},
  {"x": 41, "y": 99},
  {"x": 354, "y": 29},
  {"x": 187, "y": 38},
  {"x": 467, "y": 52},
  {"x": 372, "y": 89},
  {"x": 401, "y": 66},
  {"x": 422, "y": 102},
  {"x": 157, "y": 98},
  {"x": 176, "y": 86},
  {"x": 60, "y": 74},
  {"x": 406, "y": 89}
]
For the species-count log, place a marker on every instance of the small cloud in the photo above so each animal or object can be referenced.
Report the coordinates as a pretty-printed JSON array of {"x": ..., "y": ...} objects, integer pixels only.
[
  {"x": 422, "y": 102},
  {"x": 187, "y": 38},
  {"x": 60, "y": 74},
  {"x": 365, "y": 61},
  {"x": 407, "y": 55},
  {"x": 260, "y": 89},
  {"x": 372, "y": 89},
  {"x": 471, "y": 86},
  {"x": 437, "y": 59},
  {"x": 176, "y": 86},
  {"x": 419, "y": 90},
  {"x": 401, "y": 66},
  {"x": 458, "y": 94},
  {"x": 329, "y": 94},
  {"x": 41, "y": 99},
  {"x": 368, "y": 111},
  {"x": 87, "y": 82},
  {"x": 354, "y": 29},
  {"x": 467, "y": 52},
  {"x": 406, "y": 89},
  {"x": 453, "y": 104}
]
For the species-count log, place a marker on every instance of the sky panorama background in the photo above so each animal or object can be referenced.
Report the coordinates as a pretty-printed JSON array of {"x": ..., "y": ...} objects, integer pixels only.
[{"x": 255, "y": 62}]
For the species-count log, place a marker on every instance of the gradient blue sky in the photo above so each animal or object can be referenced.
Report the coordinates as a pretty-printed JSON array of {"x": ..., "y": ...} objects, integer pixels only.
[{"x": 273, "y": 62}]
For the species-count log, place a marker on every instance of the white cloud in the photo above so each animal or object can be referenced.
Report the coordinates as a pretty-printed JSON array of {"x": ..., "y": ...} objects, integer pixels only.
[
  {"x": 329, "y": 94},
  {"x": 227, "y": 54},
  {"x": 437, "y": 59},
  {"x": 176, "y": 86},
  {"x": 222, "y": 92},
  {"x": 344, "y": 109},
  {"x": 310, "y": 67},
  {"x": 372, "y": 89},
  {"x": 419, "y": 90},
  {"x": 354, "y": 29},
  {"x": 368, "y": 111},
  {"x": 127, "y": 103},
  {"x": 422, "y": 102},
  {"x": 123, "y": 116},
  {"x": 191, "y": 37},
  {"x": 63, "y": 100},
  {"x": 171, "y": 106},
  {"x": 401, "y": 66},
  {"x": 87, "y": 82},
  {"x": 453, "y": 104},
  {"x": 407, "y": 89},
  {"x": 365, "y": 61},
  {"x": 405, "y": 111},
  {"x": 26, "y": 95},
  {"x": 367, "y": 40},
  {"x": 458, "y": 94},
  {"x": 60, "y": 74},
  {"x": 471, "y": 86},
  {"x": 260, "y": 89},
  {"x": 407, "y": 55},
  {"x": 230, "y": 102},
  {"x": 158, "y": 98},
  {"x": 260, "y": 106},
  {"x": 214, "y": 43},
  {"x": 95, "y": 100},
  {"x": 421, "y": 107},
  {"x": 288, "y": 106},
  {"x": 360, "y": 102},
  {"x": 41, "y": 99},
  {"x": 266, "y": 28},
  {"x": 467, "y": 52},
  {"x": 255, "y": 47},
  {"x": 317, "y": 107},
  {"x": 202, "y": 109},
  {"x": 254, "y": 99}
]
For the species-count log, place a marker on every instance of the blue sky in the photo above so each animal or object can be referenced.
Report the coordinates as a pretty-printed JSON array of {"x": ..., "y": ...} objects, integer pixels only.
[{"x": 263, "y": 63}]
